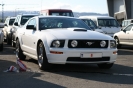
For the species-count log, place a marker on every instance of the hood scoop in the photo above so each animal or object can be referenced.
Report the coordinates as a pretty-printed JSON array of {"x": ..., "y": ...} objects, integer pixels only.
[{"x": 78, "y": 29}]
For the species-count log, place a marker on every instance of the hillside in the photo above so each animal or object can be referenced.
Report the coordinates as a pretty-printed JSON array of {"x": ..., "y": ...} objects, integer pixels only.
[{"x": 76, "y": 14}]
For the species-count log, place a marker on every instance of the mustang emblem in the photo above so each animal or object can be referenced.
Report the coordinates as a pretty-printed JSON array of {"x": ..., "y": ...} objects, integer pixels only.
[{"x": 89, "y": 43}]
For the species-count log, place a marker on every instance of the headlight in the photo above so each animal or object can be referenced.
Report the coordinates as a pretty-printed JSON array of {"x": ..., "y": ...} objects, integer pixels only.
[
  {"x": 103, "y": 43},
  {"x": 112, "y": 44},
  {"x": 58, "y": 43},
  {"x": 74, "y": 43}
]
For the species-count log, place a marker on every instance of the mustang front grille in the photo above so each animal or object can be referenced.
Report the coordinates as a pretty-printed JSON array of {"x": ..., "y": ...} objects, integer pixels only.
[{"x": 88, "y": 44}]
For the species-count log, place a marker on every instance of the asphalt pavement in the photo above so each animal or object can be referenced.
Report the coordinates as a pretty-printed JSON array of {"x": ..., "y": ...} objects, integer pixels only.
[{"x": 67, "y": 76}]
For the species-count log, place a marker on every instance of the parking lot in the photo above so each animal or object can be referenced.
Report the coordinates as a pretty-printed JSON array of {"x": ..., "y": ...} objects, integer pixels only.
[{"x": 71, "y": 76}]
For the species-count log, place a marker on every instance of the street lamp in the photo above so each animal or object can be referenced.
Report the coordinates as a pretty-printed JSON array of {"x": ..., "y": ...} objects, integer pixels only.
[{"x": 2, "y": 12}]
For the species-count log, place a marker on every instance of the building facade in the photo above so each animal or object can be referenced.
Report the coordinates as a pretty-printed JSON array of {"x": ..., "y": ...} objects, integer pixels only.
[{"x": 120, "y": 9}]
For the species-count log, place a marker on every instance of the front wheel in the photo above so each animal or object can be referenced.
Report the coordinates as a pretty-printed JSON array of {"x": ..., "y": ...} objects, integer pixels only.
[
  {"x": 42, "y": 58},
  {"x": 19, "y": 52},
  {"x": 9, "y": 39},
  {"x": 105, "y": 65},
  {"x": 117, "y": 42},
  {"x": 1, "y": 47},
  {"x": 12, "y": 41}
]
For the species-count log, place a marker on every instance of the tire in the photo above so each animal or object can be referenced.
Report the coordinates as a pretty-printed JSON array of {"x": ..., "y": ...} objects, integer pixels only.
[
  {"x": 42, "y": 58},
  {"x": 117, "y": 42},
  {"x": 105, "y": 65},
  {"x": 1, "y": 47},
  {"x": 12, "y": 41},
  {"x": 8, "y": 39},
  {"x": 19, "y": 52}
]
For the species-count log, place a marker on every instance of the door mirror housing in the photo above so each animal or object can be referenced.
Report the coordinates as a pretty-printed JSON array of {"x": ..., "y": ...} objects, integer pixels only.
[
  {"x": 124, "y": 30},
  {"x": 99, "y": 27},
  {"x": 5, "y": 24},
  {"x": 16, "y": 23}
]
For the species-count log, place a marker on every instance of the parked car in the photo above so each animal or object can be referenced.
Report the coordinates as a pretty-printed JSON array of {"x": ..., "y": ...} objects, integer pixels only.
[
  {"x": 106, "y": 23},
  {"x": 7, "y": 29},
  {"x": 126, "y": 22},
  {"x": 125, "y": 36},
  {"x": 18, "y": 23},
  {"x": 1, "y": 36},
  {"x": 92, "y": 25},
  {"x": 62, "y": 40},
  {"x": 57, "y": 12}
]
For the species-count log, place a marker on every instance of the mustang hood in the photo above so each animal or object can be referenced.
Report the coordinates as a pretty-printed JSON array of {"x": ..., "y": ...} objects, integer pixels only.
[{"x": 77, "y": 33}]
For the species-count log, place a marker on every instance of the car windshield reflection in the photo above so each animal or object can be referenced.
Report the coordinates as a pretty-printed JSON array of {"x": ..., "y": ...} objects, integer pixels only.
[{"x": 50, "y": 23}]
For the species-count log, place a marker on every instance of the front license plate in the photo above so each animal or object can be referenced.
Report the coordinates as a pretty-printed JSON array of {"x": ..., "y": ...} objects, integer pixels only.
[{"x": 90, "y": 55}]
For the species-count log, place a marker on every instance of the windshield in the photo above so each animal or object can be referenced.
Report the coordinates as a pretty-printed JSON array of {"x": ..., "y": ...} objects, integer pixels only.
[
  {"x": 108, "y": 23},
  {"x": 55, "y": 22},
  {"x": 61, "y": 13},
  {"x": 24, "y": 19},
  {"x": 11, "y": 21},
  {"x": 90, "y": 23}
]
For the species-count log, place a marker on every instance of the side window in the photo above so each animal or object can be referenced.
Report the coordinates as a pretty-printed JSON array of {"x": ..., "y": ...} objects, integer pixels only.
[
  {"x": 128, "y": 28},
  {"x": 123, "y": 23},
  {"x": 126, "y": 23},
  {"x": 32, "y": 22}
]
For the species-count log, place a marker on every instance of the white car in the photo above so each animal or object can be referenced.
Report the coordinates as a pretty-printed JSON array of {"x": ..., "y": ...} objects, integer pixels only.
[
  {"x": 92, "y": 25},
  {"x": 1, "y": 36},
  {"x": 125, "y": 36},
  {"x": 7, "y": 30},
  {"x": 61, "y": 40},
  {"x": 106, "y": 23}
]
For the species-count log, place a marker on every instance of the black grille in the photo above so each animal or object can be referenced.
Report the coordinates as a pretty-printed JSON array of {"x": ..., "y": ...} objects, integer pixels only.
[
  {"x": 83, "y": 44},
  {"x": 87, "y": 59}
]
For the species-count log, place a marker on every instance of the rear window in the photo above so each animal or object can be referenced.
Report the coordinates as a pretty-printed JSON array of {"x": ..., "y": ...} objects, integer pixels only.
[
  {"x": 24, "y": 19},
  {"x": 108, "y": 23},
  {"x": 61, "y": 13}
]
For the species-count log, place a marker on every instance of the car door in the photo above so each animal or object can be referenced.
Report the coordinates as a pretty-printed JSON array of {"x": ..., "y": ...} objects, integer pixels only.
[
  {"x": 29, "y": 39},
  {"x": 131, "y": 36},
  {"x": 124, "y": 34}
]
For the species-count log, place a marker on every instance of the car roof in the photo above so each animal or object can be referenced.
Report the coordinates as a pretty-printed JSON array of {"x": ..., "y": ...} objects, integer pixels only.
[
  {"x": 85, "y": 18},
  {"x": 27, "y": 15},
  {"x": 57, "y": 10},
  {"x": 41, "y": 16},
  {"x": 102, "y": 17}
]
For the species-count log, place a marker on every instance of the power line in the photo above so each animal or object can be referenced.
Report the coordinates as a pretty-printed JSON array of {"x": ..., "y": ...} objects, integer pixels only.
[
  {"x": 22, "y": 4},
  {"x": 2, "y": 12}
]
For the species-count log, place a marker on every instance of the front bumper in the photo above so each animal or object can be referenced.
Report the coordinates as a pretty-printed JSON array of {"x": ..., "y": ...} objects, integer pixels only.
[{"x": 74, "y": 56}]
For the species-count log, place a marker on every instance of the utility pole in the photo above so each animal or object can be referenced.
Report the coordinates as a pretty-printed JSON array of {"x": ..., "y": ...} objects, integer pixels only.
[{"x": 2, "y": 12}]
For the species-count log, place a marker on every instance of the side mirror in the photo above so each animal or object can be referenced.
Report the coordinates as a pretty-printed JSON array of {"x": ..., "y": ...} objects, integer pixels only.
[
  {"x": 30, "y": 27},
  {"x": 120, "y": 25},
  {"x": 16, "y": 23},
  {"x": 99, "y": 27},
  {"x": 124, "y": 30},
  {"x": 5, "y": 24}
]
